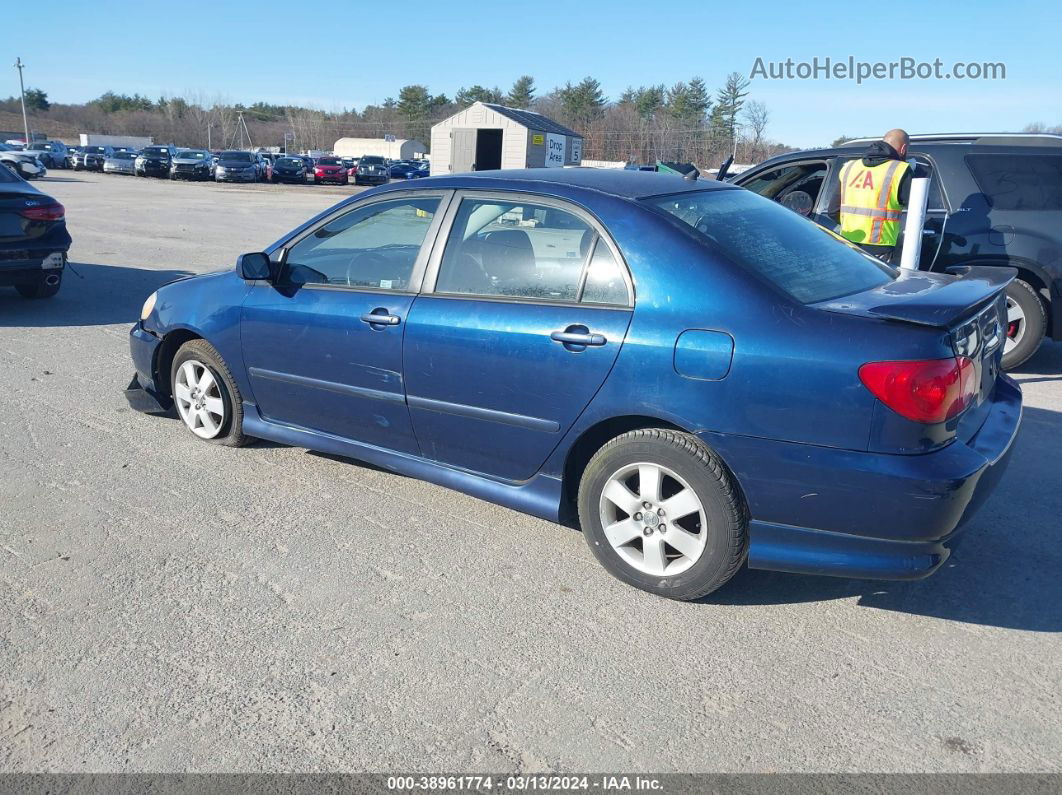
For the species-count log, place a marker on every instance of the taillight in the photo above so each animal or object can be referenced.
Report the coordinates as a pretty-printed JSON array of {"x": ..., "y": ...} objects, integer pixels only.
[
  {"x": 927, "y": 391},
  {"x": 47, "y": 212}
]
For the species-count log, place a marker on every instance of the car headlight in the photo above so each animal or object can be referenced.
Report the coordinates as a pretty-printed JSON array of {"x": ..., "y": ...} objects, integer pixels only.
[{"x": 149, "y": 304}]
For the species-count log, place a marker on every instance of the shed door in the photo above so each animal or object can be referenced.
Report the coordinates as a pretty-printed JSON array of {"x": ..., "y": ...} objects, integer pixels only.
[{"x": 463, "y": 150}]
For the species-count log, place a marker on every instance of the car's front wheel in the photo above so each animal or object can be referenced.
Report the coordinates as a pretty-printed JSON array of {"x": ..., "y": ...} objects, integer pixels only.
[
  {"x": 1026, "y": 324},
  {"x": 206, "y": 396},
  {"x": 662, "y": 513}
]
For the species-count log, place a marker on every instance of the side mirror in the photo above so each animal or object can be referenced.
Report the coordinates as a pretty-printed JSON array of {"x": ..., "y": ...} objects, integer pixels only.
[{"x": 254, "y": 266}]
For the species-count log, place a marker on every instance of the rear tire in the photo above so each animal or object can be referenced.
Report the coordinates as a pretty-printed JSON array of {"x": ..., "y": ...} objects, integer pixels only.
[
  {"x": 206, "y": 396},
  {"x": 1026, "y": 324},
  {"x": 691, "y": 539},
  {"x": 40, "y": 289}
]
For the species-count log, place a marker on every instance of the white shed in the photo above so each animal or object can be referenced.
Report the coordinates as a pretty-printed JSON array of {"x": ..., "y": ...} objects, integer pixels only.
[
  {"x": 487, "y": 136},
  {"x": 392, "y": 149}
]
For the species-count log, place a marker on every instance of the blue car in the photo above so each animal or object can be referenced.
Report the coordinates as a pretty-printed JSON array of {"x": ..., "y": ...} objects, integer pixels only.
[{"x": 700, "y": 376}]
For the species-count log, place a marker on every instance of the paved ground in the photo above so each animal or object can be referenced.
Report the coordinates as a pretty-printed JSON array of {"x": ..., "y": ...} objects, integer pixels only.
[{"x": 167, "y": 605}]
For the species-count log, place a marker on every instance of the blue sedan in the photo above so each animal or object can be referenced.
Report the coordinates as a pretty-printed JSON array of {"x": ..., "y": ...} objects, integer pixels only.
[{"x": 701, "y": 377}]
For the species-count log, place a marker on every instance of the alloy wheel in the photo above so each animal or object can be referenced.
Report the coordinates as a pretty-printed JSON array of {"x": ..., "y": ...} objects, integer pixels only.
[
  {"x": 1015, "y": 325},
  {"x": 653, "y": 519},
  {"x": 198, "y": 397}
]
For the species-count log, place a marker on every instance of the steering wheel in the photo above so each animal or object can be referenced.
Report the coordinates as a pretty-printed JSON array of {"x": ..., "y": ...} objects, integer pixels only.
[{"x": 369, "y": 259}]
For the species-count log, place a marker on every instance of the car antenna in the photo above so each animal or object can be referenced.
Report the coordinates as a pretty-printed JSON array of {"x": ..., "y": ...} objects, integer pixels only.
[{"x": 692, "y": 174}]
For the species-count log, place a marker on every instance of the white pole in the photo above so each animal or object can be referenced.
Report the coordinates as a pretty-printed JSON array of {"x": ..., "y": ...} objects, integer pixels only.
[{"x": 912, "y": 230}]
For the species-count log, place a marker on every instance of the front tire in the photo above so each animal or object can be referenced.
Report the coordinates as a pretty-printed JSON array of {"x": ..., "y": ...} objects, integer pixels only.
[
  {"x": 693, "y": 536},
  {"x": 206, "y": 396},
  {"x": 1026, "y": 324}
]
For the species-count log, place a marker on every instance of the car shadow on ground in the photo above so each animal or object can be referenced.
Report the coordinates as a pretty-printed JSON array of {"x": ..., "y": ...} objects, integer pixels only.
[
  {"x": 46, "y": 180},
  {"x": 1045, "y": 365},
  {"x": 91, "y": 295},
  {"x": 1004, "y": 573}
]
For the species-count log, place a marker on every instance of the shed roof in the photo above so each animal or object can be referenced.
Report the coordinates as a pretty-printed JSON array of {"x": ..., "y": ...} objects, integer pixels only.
[{"x": 531, "y": 120}]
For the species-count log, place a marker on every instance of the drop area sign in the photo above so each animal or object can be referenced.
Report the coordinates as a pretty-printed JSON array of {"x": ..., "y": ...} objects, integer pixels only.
[{"x": 554, "y": 151}]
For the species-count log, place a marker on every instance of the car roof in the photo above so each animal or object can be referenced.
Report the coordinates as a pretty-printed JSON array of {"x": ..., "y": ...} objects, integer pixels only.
[
  {"x": 927, "y": 143},
  {"x": 611, "y": 181}
]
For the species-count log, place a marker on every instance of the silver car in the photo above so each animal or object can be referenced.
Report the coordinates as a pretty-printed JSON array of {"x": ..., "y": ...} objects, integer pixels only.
[
  {"x": 25, "y": 165},
  {"x": 120, "y": 163}
]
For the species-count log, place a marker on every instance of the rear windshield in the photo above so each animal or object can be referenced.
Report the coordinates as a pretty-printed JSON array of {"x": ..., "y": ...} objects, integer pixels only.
[
  {"x": 1019, "y": 182},
  {"x": 775, "y": 243},
  {"x": 238, "y": 156},
  {"x": 371, "y": 160},
  {"x": 6, "y": 174}
]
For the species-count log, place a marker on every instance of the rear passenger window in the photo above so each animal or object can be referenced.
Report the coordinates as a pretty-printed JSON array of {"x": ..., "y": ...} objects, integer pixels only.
[
  {"x": 1019, "y": 182},
  {"x": 515, "y": 249}
]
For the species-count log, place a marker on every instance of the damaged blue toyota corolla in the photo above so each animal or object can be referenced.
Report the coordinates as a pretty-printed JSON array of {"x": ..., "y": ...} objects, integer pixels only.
[{"x": 701, "y": 376}]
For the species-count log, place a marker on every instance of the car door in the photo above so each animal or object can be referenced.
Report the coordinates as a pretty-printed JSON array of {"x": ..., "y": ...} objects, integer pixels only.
[
  {"x": 529, "y": 303},
  {"x": 322, "y": 344}
]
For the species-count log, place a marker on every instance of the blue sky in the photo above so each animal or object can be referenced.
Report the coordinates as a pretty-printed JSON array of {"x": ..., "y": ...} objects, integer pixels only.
[{"x": 319, "y": 57}]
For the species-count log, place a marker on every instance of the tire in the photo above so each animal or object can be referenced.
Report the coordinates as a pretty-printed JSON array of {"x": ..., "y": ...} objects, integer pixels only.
[
  {"x": 40, "y": 289},
  {"x": 216, "y": 416},
  {"x": 1026, "y": 324},
  {"x": 706, "y": 511}
]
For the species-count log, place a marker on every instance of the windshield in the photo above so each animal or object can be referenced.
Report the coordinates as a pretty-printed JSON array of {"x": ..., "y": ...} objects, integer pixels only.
[
  {"x": 776, "y": 244},
  {"x": 155, "y": 151},
  {"x": 124, "y": 156},
  {"x": 328, "y": 161},
  {"x": 96, "y": 150},
  {"x": 192, "y": 155},
  {"x": 290, "y": 162},
  {"x": 371, "y": 160},
  {"x": 241, "y": 157}
]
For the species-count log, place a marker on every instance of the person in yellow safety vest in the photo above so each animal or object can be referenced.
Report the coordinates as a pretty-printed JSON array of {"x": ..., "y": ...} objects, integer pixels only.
[{"x": 874, "y": 192}]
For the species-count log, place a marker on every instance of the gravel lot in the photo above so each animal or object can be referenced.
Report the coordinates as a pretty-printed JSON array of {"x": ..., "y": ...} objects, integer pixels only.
[{"x": 168, "y": 605}]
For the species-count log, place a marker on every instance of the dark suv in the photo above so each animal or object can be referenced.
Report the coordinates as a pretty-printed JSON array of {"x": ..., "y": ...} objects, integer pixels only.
[
  {"x": 155, "y": 161},
  {"x": 994, "y": 199}
]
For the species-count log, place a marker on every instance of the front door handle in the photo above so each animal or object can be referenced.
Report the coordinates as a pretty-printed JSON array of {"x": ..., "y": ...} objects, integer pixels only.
[
  {"x": 381, "y": 317},
  {"x": 578, "y": 335}
]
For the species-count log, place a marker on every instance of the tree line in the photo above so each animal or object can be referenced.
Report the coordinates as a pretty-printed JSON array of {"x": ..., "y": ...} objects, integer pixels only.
[{"x": 686, "y": 121}]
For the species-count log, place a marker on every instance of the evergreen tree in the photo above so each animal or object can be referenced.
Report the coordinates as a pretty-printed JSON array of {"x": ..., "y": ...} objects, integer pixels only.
[{"x": 522, "y": 94}]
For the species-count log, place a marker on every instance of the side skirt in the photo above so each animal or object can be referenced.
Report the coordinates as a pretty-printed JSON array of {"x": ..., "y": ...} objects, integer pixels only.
[{"x": 540, "y": 496}]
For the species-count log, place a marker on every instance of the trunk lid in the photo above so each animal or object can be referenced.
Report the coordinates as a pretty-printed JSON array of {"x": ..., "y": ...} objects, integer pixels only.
[{"x": 941, "y": 300}]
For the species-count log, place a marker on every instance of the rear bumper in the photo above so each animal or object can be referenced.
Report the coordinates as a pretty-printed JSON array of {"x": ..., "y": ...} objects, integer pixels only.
[
  {"x": 854, "y": 514},
  {"x": 143, "y": 393},
  {"x": 32, "y": 269}
]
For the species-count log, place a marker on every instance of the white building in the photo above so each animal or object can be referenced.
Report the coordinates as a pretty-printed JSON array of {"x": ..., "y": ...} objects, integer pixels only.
[
  {"x": 392, "y": 149},
  {"x": 487, "y": 136}
]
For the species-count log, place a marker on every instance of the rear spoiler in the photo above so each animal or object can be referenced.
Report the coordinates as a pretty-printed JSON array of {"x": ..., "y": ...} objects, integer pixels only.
[{"x": 928, "y": 299}]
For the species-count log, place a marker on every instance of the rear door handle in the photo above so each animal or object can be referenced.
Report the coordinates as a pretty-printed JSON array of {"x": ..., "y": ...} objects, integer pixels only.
[
  {"x": 381, "y": 318},
  {"x": 578, "y": 338}
]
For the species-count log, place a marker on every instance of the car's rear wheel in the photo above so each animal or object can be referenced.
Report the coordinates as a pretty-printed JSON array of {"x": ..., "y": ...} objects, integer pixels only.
[
  {"x": 45, "y": 287},
  {"x": 1026, "y": 324},
  {"x": 206, "y": 396},
  {"x": 661, "y": 512}
]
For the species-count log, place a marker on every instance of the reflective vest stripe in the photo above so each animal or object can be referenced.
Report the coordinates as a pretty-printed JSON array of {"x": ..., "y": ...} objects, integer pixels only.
[
  {"x": 888, "y": 215},
  {"x": 882, "y": 203}
]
